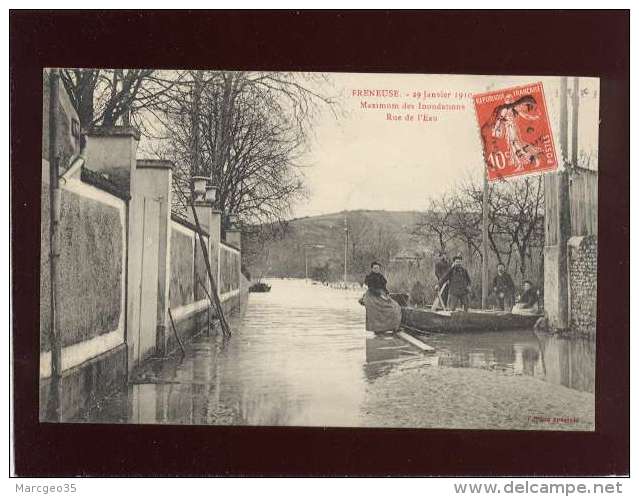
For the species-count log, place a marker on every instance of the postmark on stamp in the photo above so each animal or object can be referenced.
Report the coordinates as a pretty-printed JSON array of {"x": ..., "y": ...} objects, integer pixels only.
[{"x": 515, "y": 131}]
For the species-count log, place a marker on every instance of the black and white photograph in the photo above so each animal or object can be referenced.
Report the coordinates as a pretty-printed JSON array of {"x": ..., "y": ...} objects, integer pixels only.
[
  {"x": 319, "y": 243},
  {"x": 318, "y": 249}
]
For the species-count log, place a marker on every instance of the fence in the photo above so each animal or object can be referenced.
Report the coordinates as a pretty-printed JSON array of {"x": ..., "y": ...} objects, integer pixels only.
[{"x": 583, "y": 202}]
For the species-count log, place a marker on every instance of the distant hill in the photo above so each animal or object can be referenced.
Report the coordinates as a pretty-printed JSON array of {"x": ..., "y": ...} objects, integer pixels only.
[{"x": 286, "y": 257}]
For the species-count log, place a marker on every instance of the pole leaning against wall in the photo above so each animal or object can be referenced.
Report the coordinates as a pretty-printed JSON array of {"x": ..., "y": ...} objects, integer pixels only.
[
  {"x": 205, "y": 254},
  {"x": 195, "y": 157}
]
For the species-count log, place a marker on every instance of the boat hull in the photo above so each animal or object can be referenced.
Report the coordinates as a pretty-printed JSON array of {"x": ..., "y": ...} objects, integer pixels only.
[{"x": 463, "y": 322}]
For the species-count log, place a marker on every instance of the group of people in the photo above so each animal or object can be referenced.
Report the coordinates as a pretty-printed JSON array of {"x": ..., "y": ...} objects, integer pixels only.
[
  {"x": 453, "y": 291},
  {"x": 454, "y": 288}
]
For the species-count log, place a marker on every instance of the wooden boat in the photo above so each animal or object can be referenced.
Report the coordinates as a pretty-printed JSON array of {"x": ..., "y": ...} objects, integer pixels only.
[
  {"x": 461, "y": 322},
  {"x": 259, "y": 288}
]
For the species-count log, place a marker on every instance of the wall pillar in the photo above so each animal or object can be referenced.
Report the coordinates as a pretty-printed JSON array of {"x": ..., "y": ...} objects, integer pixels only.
[
  {"x": 557, "y": 229},
  {"x": 234, "y": 237},
  {"x": 215, "y": 237},
  {"x": 112, "y": 152},
  {"x": 154, "y": 178}
]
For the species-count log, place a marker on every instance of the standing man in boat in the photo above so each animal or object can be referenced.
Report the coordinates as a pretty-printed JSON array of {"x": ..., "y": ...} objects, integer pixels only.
[
  {"x": 503, "y": 289},
  {"x": 458, "y": 284},
  {"x": 441, "y": 268}
]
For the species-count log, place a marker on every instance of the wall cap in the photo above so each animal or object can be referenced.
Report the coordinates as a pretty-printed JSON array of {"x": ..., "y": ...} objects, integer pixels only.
[
  {"x": 114, "y": 131},
  {"x": 154, "y": 164},
  {"x": 226, "y": 244},
  {"x": 203, "y": 203},
  {"x": 187, "y": 224},
  {"x": 576, "y": 241}
]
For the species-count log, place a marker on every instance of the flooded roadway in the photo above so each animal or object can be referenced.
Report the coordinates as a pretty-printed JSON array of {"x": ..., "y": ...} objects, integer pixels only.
[{"x": 299, "y": 355}]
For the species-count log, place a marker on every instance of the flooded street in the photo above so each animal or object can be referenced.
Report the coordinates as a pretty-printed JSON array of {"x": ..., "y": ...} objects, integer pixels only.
[{"x": 299, "y": 355}]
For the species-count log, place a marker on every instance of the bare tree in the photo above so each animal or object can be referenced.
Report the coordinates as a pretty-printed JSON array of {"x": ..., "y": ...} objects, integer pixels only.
[
  {"x": 254, "y": 129},
  {"x": 523, "y": 219},
  {"x": 515, "y": 219},
  {"x": 106, "y": 96},
  {"x": 435, "y": 223},
  {"x": 368, "y": 242}
]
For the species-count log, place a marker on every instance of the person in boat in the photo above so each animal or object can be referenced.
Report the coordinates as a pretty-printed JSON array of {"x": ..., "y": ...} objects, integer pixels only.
[
  {"x": 529, "y": 300},
  {"x": 441, "y": 268},
  {"x": 458, "y": 284},
  {"x": 382, "y": 312},
  {"x": 503, "y": 289}
]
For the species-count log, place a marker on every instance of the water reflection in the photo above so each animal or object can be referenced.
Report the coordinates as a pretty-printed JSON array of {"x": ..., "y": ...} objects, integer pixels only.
[
  {"x": 569, "y": 362},
  {"x": 559, "y": 360},
  {"x": 383, "y": 351},
  {"x": 300, "y": 356}
]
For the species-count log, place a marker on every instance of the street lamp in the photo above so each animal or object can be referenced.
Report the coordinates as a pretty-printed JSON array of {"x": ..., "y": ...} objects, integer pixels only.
[
  {"x": 232, "y": 220},
  {"x": 211, "y": 193},
  {"x": 309, "y": 245},
  {"x": 199, "y": 187}
]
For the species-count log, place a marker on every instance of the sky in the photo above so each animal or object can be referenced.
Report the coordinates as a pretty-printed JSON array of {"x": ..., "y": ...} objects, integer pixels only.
[{"x": 360, "y": 160}]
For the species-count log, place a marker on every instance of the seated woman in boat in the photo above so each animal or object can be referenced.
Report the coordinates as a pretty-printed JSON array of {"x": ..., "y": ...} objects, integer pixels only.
[
  {"x": 528, "y": 303},
  {"x": 382, "y": 312}
]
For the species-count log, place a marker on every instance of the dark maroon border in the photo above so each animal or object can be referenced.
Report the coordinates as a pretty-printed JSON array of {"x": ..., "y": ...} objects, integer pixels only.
[{"x": 536, "y": 43}]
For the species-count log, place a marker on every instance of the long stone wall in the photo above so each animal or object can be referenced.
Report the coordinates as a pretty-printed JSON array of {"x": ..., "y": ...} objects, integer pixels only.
[
  {"x": 124, "y": 262},
  {"x": 181, "y": 288},
  {"x": 92, "y": 273},
  {"x": 582, "y": 270},
  {"x": 200, "y": 273},
  {"x": 229, "y": 270}
]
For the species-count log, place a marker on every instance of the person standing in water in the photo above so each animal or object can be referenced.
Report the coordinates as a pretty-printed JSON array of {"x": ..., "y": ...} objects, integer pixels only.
[{"x": 382, "y": 312}]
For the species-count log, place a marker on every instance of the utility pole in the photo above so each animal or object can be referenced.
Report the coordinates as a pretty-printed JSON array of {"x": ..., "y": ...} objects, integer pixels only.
[
  {"x": 575, "y": 122},
  {"x": 306, "y": 247},
  {"x": 484, "y": 244},
  {"x": 564, "y": 207},
  {"x": 345, "y": 250},
  {"x": 484, "y": 236}
]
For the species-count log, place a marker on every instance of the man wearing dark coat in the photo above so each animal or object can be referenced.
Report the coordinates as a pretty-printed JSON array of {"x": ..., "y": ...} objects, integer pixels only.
[
  {"x": 458, "y": 284},
  {"x": 503, "y": 288},
  {"x": 441, "y": 268}
]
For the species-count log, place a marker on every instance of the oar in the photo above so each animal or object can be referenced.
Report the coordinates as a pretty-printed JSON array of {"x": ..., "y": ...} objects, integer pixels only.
[{"x": 438, "y": 298}]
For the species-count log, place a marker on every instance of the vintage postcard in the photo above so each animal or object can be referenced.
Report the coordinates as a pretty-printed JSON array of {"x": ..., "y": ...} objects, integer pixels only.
[{"x": 319, "y": 249}]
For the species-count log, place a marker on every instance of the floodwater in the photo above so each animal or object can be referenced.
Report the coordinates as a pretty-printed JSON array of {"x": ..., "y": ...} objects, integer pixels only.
[{"x": 299, "y": 355}]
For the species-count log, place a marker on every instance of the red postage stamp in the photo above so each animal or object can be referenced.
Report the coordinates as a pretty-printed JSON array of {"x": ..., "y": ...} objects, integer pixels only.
[{"x": 515, "y": 131}]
